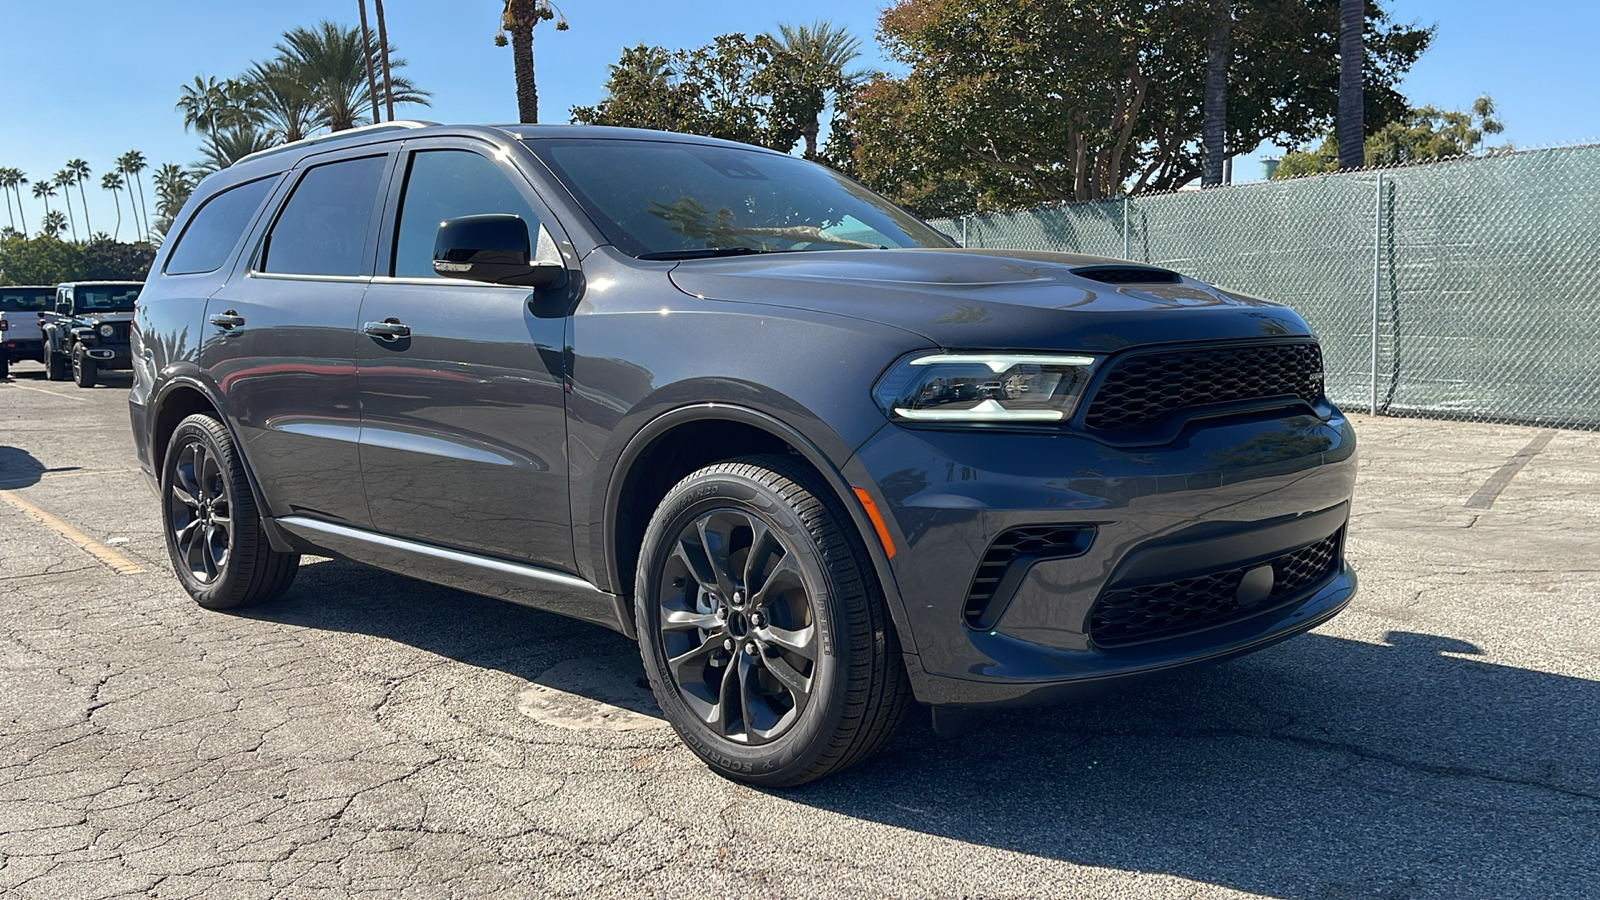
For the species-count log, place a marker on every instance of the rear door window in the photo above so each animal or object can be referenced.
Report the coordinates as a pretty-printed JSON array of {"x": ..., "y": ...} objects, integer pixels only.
[
  {"x": 212, "y": 233},
  {"x": 323, "y": 228}
]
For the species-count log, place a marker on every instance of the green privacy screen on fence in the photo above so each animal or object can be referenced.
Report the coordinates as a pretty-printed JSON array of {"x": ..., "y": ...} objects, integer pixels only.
[{"x": 1481, "y": 273}]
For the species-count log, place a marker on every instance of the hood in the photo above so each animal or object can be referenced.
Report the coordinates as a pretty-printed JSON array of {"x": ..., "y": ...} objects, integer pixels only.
[
  {"x": 1012, "y": 299},
  {"x": 107, "y": 317}
]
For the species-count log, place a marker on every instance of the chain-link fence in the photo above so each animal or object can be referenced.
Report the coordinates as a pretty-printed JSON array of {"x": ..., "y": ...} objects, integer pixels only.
[{"x": 1461, "y": 289}]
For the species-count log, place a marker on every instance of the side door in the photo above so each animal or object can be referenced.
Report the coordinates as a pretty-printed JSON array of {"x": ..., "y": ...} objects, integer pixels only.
[
  {"x": 280, "y": 336},
  {"x": 463, "y": 440}
]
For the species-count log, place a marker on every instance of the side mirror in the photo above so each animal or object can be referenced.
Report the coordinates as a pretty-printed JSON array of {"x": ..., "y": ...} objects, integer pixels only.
[
  {"x": 494, "y": 249},
  {"x": 63, "y": 307}
]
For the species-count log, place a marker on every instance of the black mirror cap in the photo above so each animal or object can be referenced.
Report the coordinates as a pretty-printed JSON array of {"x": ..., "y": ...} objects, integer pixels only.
[
  {"x": 494, "y": 249},
  {"x": 64, "y": 308}
]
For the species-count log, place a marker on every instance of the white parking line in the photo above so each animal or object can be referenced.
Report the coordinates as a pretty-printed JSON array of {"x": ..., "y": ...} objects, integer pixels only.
[
  {"x": 118, "y": 563},
  {"x": 40, "y": 390}
]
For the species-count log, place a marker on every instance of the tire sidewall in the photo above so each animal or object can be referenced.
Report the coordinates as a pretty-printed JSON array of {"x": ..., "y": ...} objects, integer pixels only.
[
  {"x": 83, "y": 368},
  {"x": 217, "y": 594},
  {"x": 809, "y": 738}
]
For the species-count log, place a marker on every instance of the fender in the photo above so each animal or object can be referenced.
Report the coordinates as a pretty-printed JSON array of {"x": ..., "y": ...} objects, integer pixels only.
[
  {"x": 807, "y": 449},
  {"x": 275, "y": 535}
]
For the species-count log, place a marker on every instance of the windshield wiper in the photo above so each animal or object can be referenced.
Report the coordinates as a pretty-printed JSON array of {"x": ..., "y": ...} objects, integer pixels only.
[{"x": 707, "y": 253}]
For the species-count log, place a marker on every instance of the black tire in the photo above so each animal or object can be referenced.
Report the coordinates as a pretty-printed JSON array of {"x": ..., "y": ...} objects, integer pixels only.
[
  {"x": 55, "y": 365},
  {"x": 222, "y": 558},
  {"x": 5, "y": 366},
  {"x": 85, "y": 371},
  {"x": 776, "y": 522}
]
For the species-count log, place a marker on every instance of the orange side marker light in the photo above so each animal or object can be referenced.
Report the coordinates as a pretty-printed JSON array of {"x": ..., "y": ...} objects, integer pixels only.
[{"x": 877, "y": 521}]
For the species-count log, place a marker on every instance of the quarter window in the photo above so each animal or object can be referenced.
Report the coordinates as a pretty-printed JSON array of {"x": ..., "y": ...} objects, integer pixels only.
[
  {"x": 214, "y": 231},
  {"x": 448, "y": 184},
  {"x": 323, "y": 227}
]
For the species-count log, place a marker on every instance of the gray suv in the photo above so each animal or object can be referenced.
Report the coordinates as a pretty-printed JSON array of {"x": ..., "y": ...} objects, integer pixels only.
[{"x": 817, "y": 460}]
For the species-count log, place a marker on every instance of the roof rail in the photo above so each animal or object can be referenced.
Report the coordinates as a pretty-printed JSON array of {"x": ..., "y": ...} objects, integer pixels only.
[{"x": 396, "y": 125}]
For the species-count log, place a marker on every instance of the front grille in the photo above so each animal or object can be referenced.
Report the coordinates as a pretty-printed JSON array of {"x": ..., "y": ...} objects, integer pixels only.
[
  {"x": 1030, "y": 543},
  {"x": 1145, "y": 387},
  {"x": 1150, "y": 612}
]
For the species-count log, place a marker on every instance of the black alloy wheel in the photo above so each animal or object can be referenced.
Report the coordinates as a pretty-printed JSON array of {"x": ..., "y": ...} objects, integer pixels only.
[
  {"x": 85, "y": 371},
  {"x": 737, "y": 629},
  {"x": 763, "y": 630},
  {"x": 214, "y": 532}
]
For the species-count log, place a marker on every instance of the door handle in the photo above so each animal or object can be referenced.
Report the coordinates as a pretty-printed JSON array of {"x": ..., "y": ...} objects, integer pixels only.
[
  {"x": 390, "y": 329},
  {"x": 229, "y": 319}
]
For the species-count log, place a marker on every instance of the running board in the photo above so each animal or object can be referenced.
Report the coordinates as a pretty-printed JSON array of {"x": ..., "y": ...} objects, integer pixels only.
[{"x": 519, "y": 583}]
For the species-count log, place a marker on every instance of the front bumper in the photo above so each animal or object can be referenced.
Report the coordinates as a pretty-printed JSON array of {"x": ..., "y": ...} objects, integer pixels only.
[
  {"x": 1225, "y": 495},
  {"x": 116, "y": 357}
]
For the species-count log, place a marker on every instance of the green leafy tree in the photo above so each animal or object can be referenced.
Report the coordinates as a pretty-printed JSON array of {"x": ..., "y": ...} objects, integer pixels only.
[
  {"x": 283, "y": 106},
  {"x": 222, "y": 149},
  {"x": 725, "y": 89},
  {"x": 1423, "y": 134},
  {"x": 107, "y": 260},
  {"x": 132, "y": 164},
  {"x": 329, "y": 64},
  {"x": 173, "y": 186},
  {"x": 45, "y": 259},
  {"x": 1020, "y": 103},
  {"x": 518, "y": 18}
]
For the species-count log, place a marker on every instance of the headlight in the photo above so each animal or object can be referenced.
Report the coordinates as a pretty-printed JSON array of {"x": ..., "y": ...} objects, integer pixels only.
[
  {"x": 107, "y": 331},
  {"x": 985, "y": 387}
]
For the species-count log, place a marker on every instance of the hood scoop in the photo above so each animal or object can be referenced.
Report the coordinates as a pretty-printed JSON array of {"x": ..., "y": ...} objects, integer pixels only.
[{"x": 1128, "y": 274}]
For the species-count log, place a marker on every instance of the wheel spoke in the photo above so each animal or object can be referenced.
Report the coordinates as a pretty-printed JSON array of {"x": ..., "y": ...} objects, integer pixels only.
[
  {"x": 800, "y": 640},
  {"x": 688, "y": 620},
  {"x": 715, "y": 531},
  {"x": 749, "y": 686},
  {"x": 786, "y": 575},
  {"x": 193, "y": 551},
  {"x": 184, "y": 495},
  {"x": 198, "y": 466},
  {"x": 763, "y": 545},
  {"x": 699, "y": 657},
  {"x": 693, "y": 558},
  {"x": 799, "y": 685}
]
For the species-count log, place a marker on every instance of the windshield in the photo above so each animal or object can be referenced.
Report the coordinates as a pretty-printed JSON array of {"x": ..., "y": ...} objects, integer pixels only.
[
  {"x": 665, "y": 200},
  {"x": 105, "y": 299},
  {"x": 26, "y": 299}
]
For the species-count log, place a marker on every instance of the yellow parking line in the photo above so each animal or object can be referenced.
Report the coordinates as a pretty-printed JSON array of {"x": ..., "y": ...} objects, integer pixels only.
[
  {"x": 116, "y": 561},
  {"x": 39, "y": 390}
]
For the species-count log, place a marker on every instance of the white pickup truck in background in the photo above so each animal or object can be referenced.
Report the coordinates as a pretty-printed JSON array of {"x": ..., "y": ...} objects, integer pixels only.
[{"x": 22, "y": 311}]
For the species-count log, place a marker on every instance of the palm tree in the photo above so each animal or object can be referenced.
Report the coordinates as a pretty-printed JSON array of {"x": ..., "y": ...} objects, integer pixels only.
[
  {"x": 112, "y": 181},
  {"x": 173, "y": 186},
  {"x": 80, "y": 174},
  {"x": 224, "y": 148},
  {"x": 520, "y": 17},
  {"x": 53, "y": 223},
  {"x": 17, "y": 178},
  {"x": 372, "y": 79},
  {"x": 1214, "y": 123},
  {"x": 6, "y": 183},
  {"x": 63, "y": 180},
  {"x": 131, "y": 164},
  {"x": 282, "y": 104},
  {"x": 1352, "y": 105},
  {"x": 815, "y": 57},
  {"x": 388, "y": 80},
  {"x": 44, "y": 190},
  {"x": 328, "y": 62}
]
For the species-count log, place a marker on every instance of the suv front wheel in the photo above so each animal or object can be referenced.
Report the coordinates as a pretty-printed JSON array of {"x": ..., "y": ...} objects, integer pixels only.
[
  {"x": 214, "y": 532},
  {"x": 85, "y": 371},
  {"x": 762, "y": 627},
  {"x": 56, "y": 365}
]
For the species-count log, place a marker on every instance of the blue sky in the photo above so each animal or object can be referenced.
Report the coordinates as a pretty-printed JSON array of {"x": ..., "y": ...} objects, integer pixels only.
[{"x": 94, "y": 78}]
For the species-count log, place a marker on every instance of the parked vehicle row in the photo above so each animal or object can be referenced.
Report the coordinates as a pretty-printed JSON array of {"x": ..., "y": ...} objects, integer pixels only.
[
  {"x": 77, "y": 329},
  {"x": 819, "y": 461}
]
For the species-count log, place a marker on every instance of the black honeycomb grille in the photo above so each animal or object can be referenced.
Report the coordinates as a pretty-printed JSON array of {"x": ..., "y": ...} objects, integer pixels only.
[
  {"x": 1144, "y": 388},
  {"x": 1127, "y": 275},
  {"x": 1155, "y": 611},
  {"x": 1038, "y": 541}
]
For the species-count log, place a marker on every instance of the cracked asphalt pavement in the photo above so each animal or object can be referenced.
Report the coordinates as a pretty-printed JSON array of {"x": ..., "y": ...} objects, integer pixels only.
[{"x": 370, "y": 735}]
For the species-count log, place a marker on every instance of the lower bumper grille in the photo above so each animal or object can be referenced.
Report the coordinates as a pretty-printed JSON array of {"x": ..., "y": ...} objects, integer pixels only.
[{"x": 1155, "y": 611}]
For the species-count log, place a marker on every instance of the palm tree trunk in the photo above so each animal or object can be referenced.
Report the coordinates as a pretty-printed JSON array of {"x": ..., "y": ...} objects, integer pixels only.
[
  {"x": 527, "y": 87},
  {"x": 1352, "y": 62},
  {"x": 22, "y": 213},
  {"x": 144, "y": 233},
  {"x": 9, "y": 216},
  {"x": 1214, "y": 130},
  {"x": 116, "y": 197},
  {"x": 366, "y": 52},
  {"x": 383, "y": 48},
  {"x": 88, "y": 230}
]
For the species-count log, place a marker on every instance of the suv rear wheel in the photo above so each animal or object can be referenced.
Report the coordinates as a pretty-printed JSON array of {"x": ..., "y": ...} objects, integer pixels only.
[
  {"x": 762, "y": 627},
  {"x": 56, "y": 365},
  {"x": 213, "y": 529}
]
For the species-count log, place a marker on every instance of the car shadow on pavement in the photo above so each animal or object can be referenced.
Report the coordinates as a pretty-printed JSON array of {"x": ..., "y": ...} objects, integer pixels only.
[
  {"x": 19, "y": 469},
  {"x": 1320, "y": 768}
]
